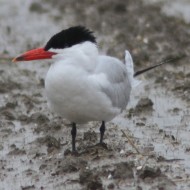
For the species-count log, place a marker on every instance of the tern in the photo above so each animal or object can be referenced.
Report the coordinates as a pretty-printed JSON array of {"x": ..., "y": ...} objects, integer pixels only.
[{"x": 81, "y": 84}]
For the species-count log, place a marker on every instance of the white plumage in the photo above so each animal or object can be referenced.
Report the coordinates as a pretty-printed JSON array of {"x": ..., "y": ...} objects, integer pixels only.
[{"x": 83, "y": 86}]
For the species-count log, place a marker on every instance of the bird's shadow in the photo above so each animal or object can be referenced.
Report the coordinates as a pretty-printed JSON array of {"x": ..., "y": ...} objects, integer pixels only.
[{"x": 91, "y": 150}]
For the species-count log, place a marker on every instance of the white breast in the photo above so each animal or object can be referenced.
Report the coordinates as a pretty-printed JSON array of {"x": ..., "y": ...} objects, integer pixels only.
[{"x": 73, "y": 92}]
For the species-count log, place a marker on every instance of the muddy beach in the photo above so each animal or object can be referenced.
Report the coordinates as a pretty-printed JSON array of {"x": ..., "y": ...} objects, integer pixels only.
[{"x": 35, "y": 144}]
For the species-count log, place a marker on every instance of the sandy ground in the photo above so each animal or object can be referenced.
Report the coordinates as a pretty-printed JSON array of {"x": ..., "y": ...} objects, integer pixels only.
[{"x": 34, "y": 144}]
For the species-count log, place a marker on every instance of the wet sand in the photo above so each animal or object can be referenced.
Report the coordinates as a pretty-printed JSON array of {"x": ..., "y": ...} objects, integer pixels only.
[{"x": 35, "y": 144}]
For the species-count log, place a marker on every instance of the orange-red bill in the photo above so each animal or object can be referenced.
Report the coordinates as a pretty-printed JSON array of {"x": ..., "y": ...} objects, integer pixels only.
[{"x": 34, "y": 54}]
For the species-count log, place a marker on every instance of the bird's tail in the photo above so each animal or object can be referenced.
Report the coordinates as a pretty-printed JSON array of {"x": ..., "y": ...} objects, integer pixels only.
[
  {"x": 130, "y": 70},
  {"x": 130, "y": 67}
]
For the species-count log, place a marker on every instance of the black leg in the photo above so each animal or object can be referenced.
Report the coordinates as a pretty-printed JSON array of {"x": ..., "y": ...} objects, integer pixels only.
[
  {"x": 102, "y": 130},
  {"x": 73, "y": 133}
]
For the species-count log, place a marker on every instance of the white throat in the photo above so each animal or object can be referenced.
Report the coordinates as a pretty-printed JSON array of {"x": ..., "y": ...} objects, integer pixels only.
[{"x": 82, "y": 55}]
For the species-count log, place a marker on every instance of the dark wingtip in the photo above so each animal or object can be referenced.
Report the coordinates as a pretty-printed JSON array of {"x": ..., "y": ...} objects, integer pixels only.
[{"x": 168, "y": 60}]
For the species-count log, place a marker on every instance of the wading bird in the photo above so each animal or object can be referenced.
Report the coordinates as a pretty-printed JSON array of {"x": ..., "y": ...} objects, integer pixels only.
[{"x": 81, "y": 84}]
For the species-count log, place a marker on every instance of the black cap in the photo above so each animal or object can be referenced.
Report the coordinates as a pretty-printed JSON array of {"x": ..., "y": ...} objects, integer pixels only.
[{"x": 69, "y": 37}]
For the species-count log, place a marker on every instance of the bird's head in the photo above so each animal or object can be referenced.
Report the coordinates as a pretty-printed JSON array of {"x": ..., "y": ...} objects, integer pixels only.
[{"x": 64, "y": 39}]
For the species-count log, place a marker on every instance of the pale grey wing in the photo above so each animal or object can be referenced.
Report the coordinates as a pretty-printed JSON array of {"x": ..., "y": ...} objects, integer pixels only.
[{"x": 118, "y": 88}]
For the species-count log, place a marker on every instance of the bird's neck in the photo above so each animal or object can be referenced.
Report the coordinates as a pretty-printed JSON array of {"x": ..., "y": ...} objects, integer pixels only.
[{"x": 82, "y": 55}]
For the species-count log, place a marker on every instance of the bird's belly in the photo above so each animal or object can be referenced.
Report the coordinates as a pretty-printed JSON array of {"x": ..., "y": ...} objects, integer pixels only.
[{"x": 75, "y": 98}]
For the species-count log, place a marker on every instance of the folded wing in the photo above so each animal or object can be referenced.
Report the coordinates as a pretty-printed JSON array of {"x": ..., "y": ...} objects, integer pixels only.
[{"x": 117, "y": 86}]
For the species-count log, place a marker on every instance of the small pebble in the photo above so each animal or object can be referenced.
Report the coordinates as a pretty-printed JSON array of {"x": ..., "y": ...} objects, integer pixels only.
[
  {"x": 139, "y": 167},
  {"x": 110, "y": 176}
]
